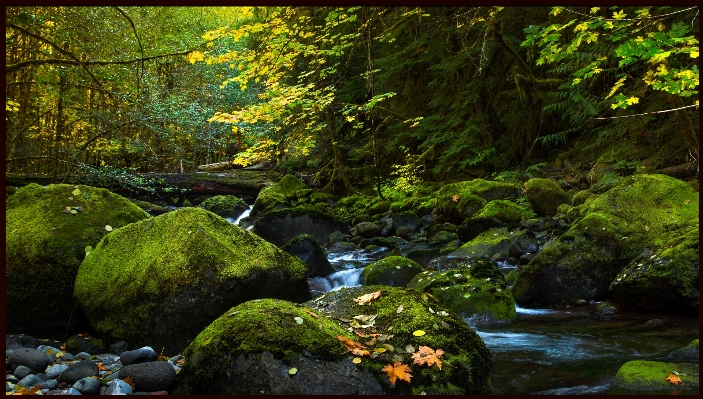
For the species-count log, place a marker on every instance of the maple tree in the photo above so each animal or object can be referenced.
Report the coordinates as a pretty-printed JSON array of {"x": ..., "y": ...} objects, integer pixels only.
[
  {"x": 396, "y": 371},
  {"x": 426, "y": 355}
]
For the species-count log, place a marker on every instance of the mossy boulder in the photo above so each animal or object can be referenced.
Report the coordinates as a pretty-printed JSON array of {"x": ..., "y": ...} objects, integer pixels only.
[
  {"x": 273, "y": 347},
  {"x": 662, "y": 279},
  {"x": 466, "y": 363},
  {"x": 160, "y": 281},
  {"x": 394, "y": 271},
  {"x": 458, "y": 201},
  {"x": 688, "y": 353},
  {"x": 229, "y": 206},
  {"x": 278, "y": 196},
  {"x": 491, "y": 242},
  {"x": 545, "y": 195},
  {"x": 643, "y": 211},
  {"x": 580, "y": 197},
  {"x": 45, "y": 246},
  {"x": 648, "y": 376},
  {"x": 496, "y": 213},
  {"x": 476, "y": 290},
  {"x": 280, "y": 226},
  {"x": 305, "y": 248}
]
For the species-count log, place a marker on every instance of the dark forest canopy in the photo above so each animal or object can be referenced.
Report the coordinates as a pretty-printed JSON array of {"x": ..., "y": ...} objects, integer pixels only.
[{"x": 356, "y": 97}]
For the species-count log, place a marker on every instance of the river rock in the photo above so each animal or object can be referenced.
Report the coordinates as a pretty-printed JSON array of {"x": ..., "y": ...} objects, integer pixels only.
[
  {"x": 88, "y": 385},
  {"x": 118, "y": 387},
  {"x": 47, "y": 232},
  {"x": 545, "y": 195},
  {"x": 279, "y": 227},
  {"x": 394, "y": 271},
  {"x": 408, "y": 219},
  {"x": 458, "y": 201},
  {"x": 643, "y": 211},
  {"x": 22, "y": 371},
  {"x": 476, "y": 289},
  {"x": 141, "y": 355},
  {"x": 225, "y": 205},
  {"x": 421, "y": 253},
  {"x": 78, "y": 371},
  {"x": 689, "y": 353},
  {"x": 644, "y": 375},
  {"x": 55, "y": 370},
  {"x": 496, "y": 213},
  {"x": 305, "y": 248},
  {"x": 335, "y": 237},
  {"x": 82, "y": 343},
  {"x": 30, "y": 381},
  {"x": 368, "y": 229},
  {"x": 211, "y": 266},
  {"x": 29, "y": 357},
  {"x": 150, "y": 376},
  {"x": 118, "y": 348}
]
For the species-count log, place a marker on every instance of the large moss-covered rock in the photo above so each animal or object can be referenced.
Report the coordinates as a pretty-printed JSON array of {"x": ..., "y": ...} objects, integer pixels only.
[
  {"x": 545, "y": 195},
  {"x": 280, "y": 226},
  {"x": 225, "y": 205},
  {"x": 647, "y": 376},
  {"x": 44, "y": 247},
  {"x": 273, "y": 347},
  {"x": 458, "y": 201},
  {"x": 466, "y": 363},
  {"x": 394, "y": 271},
  {"x": 643, "y": 211},
  {"x": 160, "y": 281},
  {"x": 491, "y": 242},
  {"x": 497, "y": 213},
  {"x": 663, "y": 278},
  {"x": 278, "y": 196},
  {"x": 476, "y": 289}
]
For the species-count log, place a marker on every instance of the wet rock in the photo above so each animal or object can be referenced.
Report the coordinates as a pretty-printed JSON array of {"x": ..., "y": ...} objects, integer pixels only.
[
  {"x": 79, "y": 343},
  {"x": 643, "y": 376},
  {"x": 305, "y": 248},
  {"x": 88, "y": 386},
  {"x": 386, "y": 225},
  {"x": 149, "y": 377},
  {"x": 118, "y": 348},
  {"x": 30, "y": 381},
  {"x": 335, "y": 237},
  {"x": 22, "y": 371},
  {"x": 689, "y": 353},
  {"x": 141, "y": 355},
  {"x": 394, "y": 271},
  {"x": 517, "y": 248},
  {"x": 55, "y": 370},
  {"x": 50, "y": 384},
  {"x": 526, "y": 258},
  {"x": 607, "y": 309},
  {"x": 403, "y": 232},
  {"x": 32, "y": 358},
  {"x": 368, "y": 229},
  {"x": 408, "y": 219},
  {"x": 78, "y": 371},
  {"x": 279, "y": 227}
]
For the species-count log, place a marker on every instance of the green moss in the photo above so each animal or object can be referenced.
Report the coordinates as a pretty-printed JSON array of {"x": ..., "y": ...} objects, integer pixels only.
[
  {"x": 563, "y": 208},
  {"x": 475, "y": 288},
  {"x": 545, "y": 195},
  {"x": 224, "y": 205},
  {"x": 457, "y": 201},
  {"x": 580, "y": 197},
  {"x": 391, "y": 270},
  {"x": 280, "y": 195},
  {"x": 163, "y": 255},
  {"x": 466, "y": 363},
  {"x": 643, "y": 375},
  {"x": 148, "y": 206},
  {"x": 504, "y": 210},
  {"x": 486, "y": 243},
  {"x": 45, "y": 244}
]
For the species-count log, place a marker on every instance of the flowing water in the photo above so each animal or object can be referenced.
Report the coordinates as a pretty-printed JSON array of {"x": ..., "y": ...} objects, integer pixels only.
[{"x": 553, "y": 351}]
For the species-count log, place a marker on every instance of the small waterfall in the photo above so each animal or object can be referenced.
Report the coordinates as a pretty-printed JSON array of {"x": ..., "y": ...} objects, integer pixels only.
[{"x": 344, "y": 278}]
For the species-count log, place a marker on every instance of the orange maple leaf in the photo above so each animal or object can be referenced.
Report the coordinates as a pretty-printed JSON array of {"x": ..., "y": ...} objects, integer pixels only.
[
  {"x": 129, "y": 381},
  {"x": 101, "y": 367},
  {"x": 455, "y": 197},
  {"x": 353, "y": 346},
  {"x": 398, "y": 370},
  {"x": 673, "y": 379},
  {"x": 25, "y": 391},
  {"x": 161, "y": 358},
  {"x": 429, "y": 356},
  {"x": 364, "y": 299}
]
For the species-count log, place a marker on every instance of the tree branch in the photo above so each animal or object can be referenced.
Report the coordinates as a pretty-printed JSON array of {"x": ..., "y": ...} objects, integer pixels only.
[{"x": 138, "y": 41}]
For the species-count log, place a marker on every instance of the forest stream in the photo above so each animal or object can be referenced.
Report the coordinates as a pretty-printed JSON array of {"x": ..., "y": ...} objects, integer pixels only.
[{"x": 552, "y": 351}]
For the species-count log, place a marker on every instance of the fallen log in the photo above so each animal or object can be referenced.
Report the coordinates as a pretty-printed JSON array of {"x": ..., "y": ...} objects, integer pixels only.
[
  {"x": 219, "y": 166},
  {"x": 687, "y": 170}
]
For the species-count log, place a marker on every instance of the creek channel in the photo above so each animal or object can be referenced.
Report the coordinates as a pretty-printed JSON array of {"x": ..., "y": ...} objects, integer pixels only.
[{"x": 566, "y": 351}]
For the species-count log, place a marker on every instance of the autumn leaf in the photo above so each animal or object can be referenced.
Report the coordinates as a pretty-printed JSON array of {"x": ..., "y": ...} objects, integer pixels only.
[
  {"x": 25, "y": 391},
  {"x": 103, "y": 368},
  {"x": 673, "y": 379},
  {"x": 455, "y": 197},
  {"x": 353, "y": 346},
  {"x": 398, "y": 370},
  {"x": 429, "y": 356},
  {"x": 418, "y": 333},
  {"x": 365, "y": 299},
  {"x": 158, "y": 359},
  {"x": 129, "y": 381}
]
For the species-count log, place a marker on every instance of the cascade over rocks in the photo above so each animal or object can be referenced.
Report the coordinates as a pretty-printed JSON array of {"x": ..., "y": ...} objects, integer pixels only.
[
  {"x": 142, "y": 283},
  {"x": 609, "y": 232},
  {"x": 47, "y": 230}
]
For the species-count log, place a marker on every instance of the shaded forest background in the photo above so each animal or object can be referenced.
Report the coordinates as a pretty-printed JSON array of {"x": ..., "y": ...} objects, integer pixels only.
[{"x": 353, "y": 98}]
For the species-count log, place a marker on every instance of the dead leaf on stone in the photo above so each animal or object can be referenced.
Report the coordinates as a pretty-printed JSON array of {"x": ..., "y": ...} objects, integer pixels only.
[{"x": 365, "y": 299}]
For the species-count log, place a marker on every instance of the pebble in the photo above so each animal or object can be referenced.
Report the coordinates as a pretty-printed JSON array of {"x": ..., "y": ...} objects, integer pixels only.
[{"x": 68, "y": 375}]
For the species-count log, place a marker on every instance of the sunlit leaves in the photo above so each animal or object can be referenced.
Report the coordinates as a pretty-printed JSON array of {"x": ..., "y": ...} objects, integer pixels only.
[
  {"x": 396, "y": 371},
  {"x": 428, "y": 356}
]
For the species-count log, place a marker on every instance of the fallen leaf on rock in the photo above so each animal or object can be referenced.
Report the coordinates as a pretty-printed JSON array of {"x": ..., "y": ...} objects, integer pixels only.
[
  {"x": 233, "y": 313},
  {"x": 409, "y": 348},
  {"x": 455, "y": 197},
  {"x": 108, "y": 227},
  {"x": 158, "y": 359},
  {"x": 25, "y": 391},
  {"x": 418, "y": 333},
  {"x": 429, "y": 356},
  {"x": 292, "y": 371},
  {"x": 353, "y": 346},
  {"x": 400, "y": 309},
  {"x": 76, "y": 191},
  {"x": 103, "y": 368},
  {"x": 298, "y": 319},
  {"x": 398, "y": 370},
  {"x": 356, "y": 360},
  {"x": 379, "y": 350},
  {"x": 311, "y": 313},
  {"x": 673, "y": 379},
  {"x": 365, "y": 299},
  {"x": 207, "y": 341}
]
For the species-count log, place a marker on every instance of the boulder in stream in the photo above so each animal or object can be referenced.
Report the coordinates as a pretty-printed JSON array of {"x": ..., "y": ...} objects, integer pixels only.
[
  {"x": 225, "y": 205},
  {"x": 394, "y": 271},
  {"x": 160, "y": 281},
  {"x": 643, "y": 376},
  {"x": 305, "y": 248}
]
